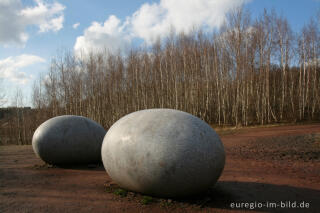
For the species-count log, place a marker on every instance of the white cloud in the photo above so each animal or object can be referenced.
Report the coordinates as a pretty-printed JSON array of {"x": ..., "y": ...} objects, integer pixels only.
[
  {"x": 155, "y": 20},
  {"x": 76, "y": 25},
  {"x": 10, "y": 68},
  {"x": 109, "y": 36},
  {"x": 48, "y": 17},
  {"x": 14, "y": 18}
]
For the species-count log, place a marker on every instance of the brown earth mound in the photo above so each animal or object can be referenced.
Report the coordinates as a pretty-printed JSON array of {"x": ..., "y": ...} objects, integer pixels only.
[{"x": 274, "y": 169}]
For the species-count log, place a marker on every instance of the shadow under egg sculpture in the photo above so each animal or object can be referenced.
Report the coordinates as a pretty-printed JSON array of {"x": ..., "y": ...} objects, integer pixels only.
[
  {"x": 69, "y": 139},
  {"x": 163, "y": 153}
]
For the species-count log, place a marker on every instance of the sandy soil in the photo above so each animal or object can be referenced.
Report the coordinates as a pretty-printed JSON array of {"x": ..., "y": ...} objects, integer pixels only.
[{"x": 264, "y": 166}]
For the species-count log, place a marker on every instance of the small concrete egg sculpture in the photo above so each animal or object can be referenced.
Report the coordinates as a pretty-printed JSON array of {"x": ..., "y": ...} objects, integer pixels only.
[{"x": 69, "y": 139}]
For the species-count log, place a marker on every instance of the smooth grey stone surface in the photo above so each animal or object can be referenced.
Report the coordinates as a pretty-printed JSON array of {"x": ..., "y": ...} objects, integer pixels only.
[
  {"x": 163, "y": 152},
  {"x": 69, "y": 139}
]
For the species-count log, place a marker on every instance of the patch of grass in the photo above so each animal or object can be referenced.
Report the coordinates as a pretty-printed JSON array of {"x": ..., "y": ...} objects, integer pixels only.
[
  {"x": 44, "y": 166},
  {"x": 121, "y": 192},
  {"x": 147, "y": 200},
  {"x": 166, "y": 203},
  {"x": 108, "y": 189}
]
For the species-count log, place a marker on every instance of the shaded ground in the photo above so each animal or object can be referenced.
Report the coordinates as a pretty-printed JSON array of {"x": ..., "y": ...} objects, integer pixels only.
[{"x": 264, "y": 167}]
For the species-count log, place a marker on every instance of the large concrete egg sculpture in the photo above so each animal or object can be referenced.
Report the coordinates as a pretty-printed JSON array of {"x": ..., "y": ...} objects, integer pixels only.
[
  {"x": 68, "y": 139},
  {"x": 163, "y": 152}
]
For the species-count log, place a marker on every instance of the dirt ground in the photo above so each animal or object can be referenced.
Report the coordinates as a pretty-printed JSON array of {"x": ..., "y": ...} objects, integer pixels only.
[{"x": 266, "y": 168}]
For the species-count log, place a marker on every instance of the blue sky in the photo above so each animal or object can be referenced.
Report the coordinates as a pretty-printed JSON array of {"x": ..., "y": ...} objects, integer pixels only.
[{"x": 33, "y": 31}]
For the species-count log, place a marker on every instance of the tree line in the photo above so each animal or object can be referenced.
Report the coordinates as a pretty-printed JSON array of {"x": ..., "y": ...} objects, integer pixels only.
[{"x": 248, "y": 72}]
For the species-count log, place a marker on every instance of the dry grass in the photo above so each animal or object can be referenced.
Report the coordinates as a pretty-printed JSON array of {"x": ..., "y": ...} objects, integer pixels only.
[{"x": 297, "y": 147}]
